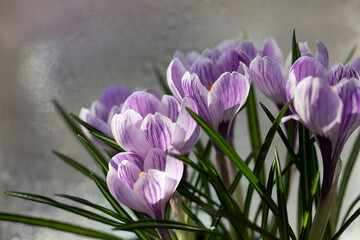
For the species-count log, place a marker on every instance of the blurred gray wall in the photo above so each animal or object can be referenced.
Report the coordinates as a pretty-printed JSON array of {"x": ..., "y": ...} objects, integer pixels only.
[{"x": 70, "y": 50}]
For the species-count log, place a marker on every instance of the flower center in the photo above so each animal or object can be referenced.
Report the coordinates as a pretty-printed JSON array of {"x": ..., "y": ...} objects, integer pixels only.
[
  {"x": 141, "y": 173},
  {"x": 332, "y": 86},
  {"x": 209, "y": 88}
]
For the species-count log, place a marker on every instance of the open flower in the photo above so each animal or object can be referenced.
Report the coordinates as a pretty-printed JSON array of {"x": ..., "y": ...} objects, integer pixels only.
[
  {"x": 327, "y": 102},
  {"x": 101, "y": 111},
  {"x": 269, "y": 73},
  {"x": 145, "y": 184},
  {"x": 147, "y": 122}
]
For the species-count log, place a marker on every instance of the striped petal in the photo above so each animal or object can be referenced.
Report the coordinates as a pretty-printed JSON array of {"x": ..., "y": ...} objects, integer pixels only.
[
  {"x": 206, "y": 71},
  {"x": 322, "y": 54},
  {"x": 272, "y": 50},
  {"x": 269, "y": 76},
  {"x": 142, "y": 102},
  {"x": 174, "y": 74}
]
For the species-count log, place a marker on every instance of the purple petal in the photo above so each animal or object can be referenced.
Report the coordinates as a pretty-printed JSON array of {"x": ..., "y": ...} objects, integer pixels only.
[
  {"x": 192, "y": 57},
  {"x": 230, "y": 60},
  {"x": 161, "y": 132},
  {"x": 114, "y": 110},
  {"x": 154, "y": 189},
  {"x": 355, "y": 63},
  {"x": 174, "y": 167},
  {"x": 170, "y": 107},
  {"x": 249, "y": 48},
  {"x": 142, "y": 102},
  {"x": 194, "y": 89},
  {"x": 227, "y": 96},
  {"x": 212, "y": 55},
  {"x": 128, "y": 172},
  {"x": 114, "y": 95},
  {"x": 123, "y": 193},
  {"x": 206, "y": 70},
  {"x": 338, "y": 72},
  {"x": 302, "y": 68},
  {"x": 174, "y": 74},
  {"x": 227, "y": 45},
  {"x": 180, "y": 56},
  {"x": 95, "y": 122},
  {"x": 186, "y": 122},
  {"x": 155, "y": 159},
  {"x": 126, "y": 133},
  {"x": 272, "y": 50},
  {"x": 304, "y": 49},
  {"x": 322, "y": 54},
  {"x": 269, "y": 76},
  {"x": 349, "y": 92},
  {"x": 134, "y": 158},
  {"x": 100, "y": 111},
  {"x": 317, "y": 105}
]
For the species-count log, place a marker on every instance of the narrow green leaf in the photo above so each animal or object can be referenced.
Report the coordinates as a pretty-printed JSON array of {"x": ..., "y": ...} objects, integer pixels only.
[
  {"x": 283, "y": 137},
  {"x": 346, "y": 224},
  {"x": 253, "y": 121},
  {"x": 283, "y": 218},
  {"x": 261, "y": 158},
  {"x": 351, "y": 54},
  {"x": 98, "y": 134},
  {"x": 97, "y": 155},
  {"x": 265, "y": 208},
  {"x": 295, "y": 49},
  {"x": 191, "y": 215},
  {"x": 164, "y": 224},
  {"x": 353, "y": 204},
  {"x": 162, "y": 81},
  {"x": 74, "y": 127},
  {"x": 76, "y": 210},
  {"x": 104, "y": 190},
  {"x": 235, "y": 158},
  {"x": 307, "y": 213},
  {"x": 81, "y": 168},
  {"x": 66, "y": 227},
  {"x": 346, "y": 176},
  {"x": 95, "y": 206}
]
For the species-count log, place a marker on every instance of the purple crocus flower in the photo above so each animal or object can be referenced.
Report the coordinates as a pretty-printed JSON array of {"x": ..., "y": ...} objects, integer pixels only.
[
  {"x": 147, "y": 122},
  {"x": 269, "y": 73},
  {"x": 217, "y": 80},
  {"x": 327, "y": 102},
  {"x": 101, "y": 111},
  {"x": 145, "y": 184}
]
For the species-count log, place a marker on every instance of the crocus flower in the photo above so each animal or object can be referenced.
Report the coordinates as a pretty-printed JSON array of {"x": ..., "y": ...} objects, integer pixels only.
[
  {"x": 145, "y": 184},
  {"x": 217, "y": 80},
  {"x": 269, "y": 73},
  {"x": 327, "y": 102},
  {"x": 101, "y": 111},
  {"x": 147, "y": 122}
]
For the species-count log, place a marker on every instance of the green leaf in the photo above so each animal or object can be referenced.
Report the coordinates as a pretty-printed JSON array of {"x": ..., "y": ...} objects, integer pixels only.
[
  {"x": 76, "y": 210},
  {"x": 288, "y": 146},
  {"x": 66, "y": 227},
  {"x": 97, "y": 155},
  {"x": 76, "y": 165},
  {"x": 162, "y": 81},
  {"x": 98, "y": 134},
  {"x": 346, "y": 176},
  {"x": 253, "y": 121},
  {"x": 351, "y": 54},
  {"x": 95, "y": 206},
  {"x": 283, "y": 218},
  {"x": 261, "y": 158},
  {"x": 164, "y": 224},
  {"x": 346, "y": 224},
  {"x": 295, "y": 49},
  {"x": 235, "y": 158},
  {"x": 74, "y": 127},
  {"x": 353, "y": 204}
]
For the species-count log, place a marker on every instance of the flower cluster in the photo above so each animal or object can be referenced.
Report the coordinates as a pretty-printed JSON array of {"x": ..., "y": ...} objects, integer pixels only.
[{"x": 215, "y": 85}]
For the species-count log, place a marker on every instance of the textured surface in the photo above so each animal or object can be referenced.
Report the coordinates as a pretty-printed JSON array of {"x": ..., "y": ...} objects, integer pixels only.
[{"x": 71, "y": 50}]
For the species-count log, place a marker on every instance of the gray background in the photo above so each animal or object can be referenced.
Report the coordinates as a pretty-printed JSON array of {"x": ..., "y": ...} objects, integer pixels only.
[{"x": 71, "y": 50}]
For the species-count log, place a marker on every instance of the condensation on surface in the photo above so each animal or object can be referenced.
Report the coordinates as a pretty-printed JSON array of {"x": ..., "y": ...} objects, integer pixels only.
[{"x": 70, "y": 50}]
